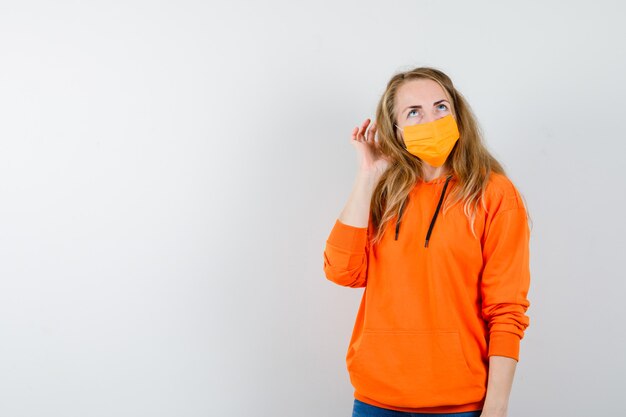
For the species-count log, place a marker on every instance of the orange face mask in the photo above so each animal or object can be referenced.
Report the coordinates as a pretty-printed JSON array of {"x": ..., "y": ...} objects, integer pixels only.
[{"x": 432, "y": 141}]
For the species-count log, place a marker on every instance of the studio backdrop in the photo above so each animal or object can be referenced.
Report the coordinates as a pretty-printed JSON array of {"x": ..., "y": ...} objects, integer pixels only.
[{"x": 170, "y": 172}]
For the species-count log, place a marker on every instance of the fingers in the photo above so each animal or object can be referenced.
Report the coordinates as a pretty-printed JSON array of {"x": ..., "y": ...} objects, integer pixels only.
[
  {"x": 361, "y": 135},
  {"x": 359, "y": 132},
  {"x": 371, "y": 132},
  {"x": 354, "y": 133}
]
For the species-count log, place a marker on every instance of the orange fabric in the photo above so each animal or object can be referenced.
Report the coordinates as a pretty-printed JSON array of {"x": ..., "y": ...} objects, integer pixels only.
[
  {"x": 430, "y": 317},
  {"x": 432, "y": 141}
]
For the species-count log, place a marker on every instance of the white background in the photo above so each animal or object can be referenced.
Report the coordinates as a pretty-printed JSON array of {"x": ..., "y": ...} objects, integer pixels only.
[{"x": 170, "y": 171}]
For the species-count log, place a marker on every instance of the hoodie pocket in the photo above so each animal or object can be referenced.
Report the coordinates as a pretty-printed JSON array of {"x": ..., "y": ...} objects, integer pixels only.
[{"x": 414, "y": 369}]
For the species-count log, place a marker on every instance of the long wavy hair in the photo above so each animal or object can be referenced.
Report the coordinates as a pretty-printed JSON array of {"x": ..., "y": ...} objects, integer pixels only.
[{"x": 469, "y": 161}]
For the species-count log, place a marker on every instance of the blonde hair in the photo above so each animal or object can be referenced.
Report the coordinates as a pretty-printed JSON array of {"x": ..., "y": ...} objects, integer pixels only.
[{"x": 470, "y": 161}]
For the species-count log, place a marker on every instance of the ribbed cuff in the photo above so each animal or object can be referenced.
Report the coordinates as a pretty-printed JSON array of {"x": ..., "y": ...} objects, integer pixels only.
[
  {"x": 350, "y": 238},
  {"x": 504, "y": 344}
]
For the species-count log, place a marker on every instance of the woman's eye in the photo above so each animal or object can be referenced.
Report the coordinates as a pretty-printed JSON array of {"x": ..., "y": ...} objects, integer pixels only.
[
  {"x": 411, "y": 112},
  {"x": 444, "y": 107}
]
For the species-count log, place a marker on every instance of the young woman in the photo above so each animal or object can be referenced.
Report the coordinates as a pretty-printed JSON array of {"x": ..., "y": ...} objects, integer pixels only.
[{"x": 438, "y": 236}]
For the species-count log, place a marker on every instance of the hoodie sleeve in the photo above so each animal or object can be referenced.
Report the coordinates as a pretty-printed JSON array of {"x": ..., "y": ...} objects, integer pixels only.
[
  {"x": 506, "y": 279},
  {"x": 345, "y": 255}
]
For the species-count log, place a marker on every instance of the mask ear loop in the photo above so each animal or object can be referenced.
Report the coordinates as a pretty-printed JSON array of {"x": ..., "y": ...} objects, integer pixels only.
[{"x": 401, "y": 140}]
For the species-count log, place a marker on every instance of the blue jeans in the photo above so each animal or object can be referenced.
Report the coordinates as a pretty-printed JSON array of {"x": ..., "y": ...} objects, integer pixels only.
[{"x": 362, "y": 409}]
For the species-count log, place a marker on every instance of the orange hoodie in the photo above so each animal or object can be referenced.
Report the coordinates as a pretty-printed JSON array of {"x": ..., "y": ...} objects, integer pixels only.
[{"x": 437, "y": 301}]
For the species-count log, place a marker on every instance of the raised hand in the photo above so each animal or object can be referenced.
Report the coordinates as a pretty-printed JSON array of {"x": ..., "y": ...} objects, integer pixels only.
[{"x": 371, "y": 159}]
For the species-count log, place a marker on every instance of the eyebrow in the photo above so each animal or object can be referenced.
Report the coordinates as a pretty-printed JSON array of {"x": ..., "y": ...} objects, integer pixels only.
[{"x": 419, "y": 107}]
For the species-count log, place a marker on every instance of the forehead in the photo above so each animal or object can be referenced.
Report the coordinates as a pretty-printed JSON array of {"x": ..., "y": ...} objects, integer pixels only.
[{"x": 419, "y": 92}]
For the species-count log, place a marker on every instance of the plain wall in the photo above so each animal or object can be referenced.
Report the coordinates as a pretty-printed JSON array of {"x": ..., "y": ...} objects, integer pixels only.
[{"x": 170, "y": 171}]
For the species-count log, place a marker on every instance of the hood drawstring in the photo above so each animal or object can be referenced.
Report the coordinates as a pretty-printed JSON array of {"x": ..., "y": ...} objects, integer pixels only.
[
  {"x": 432, "y": 222},
  {"x": 398, "y": 220}
]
